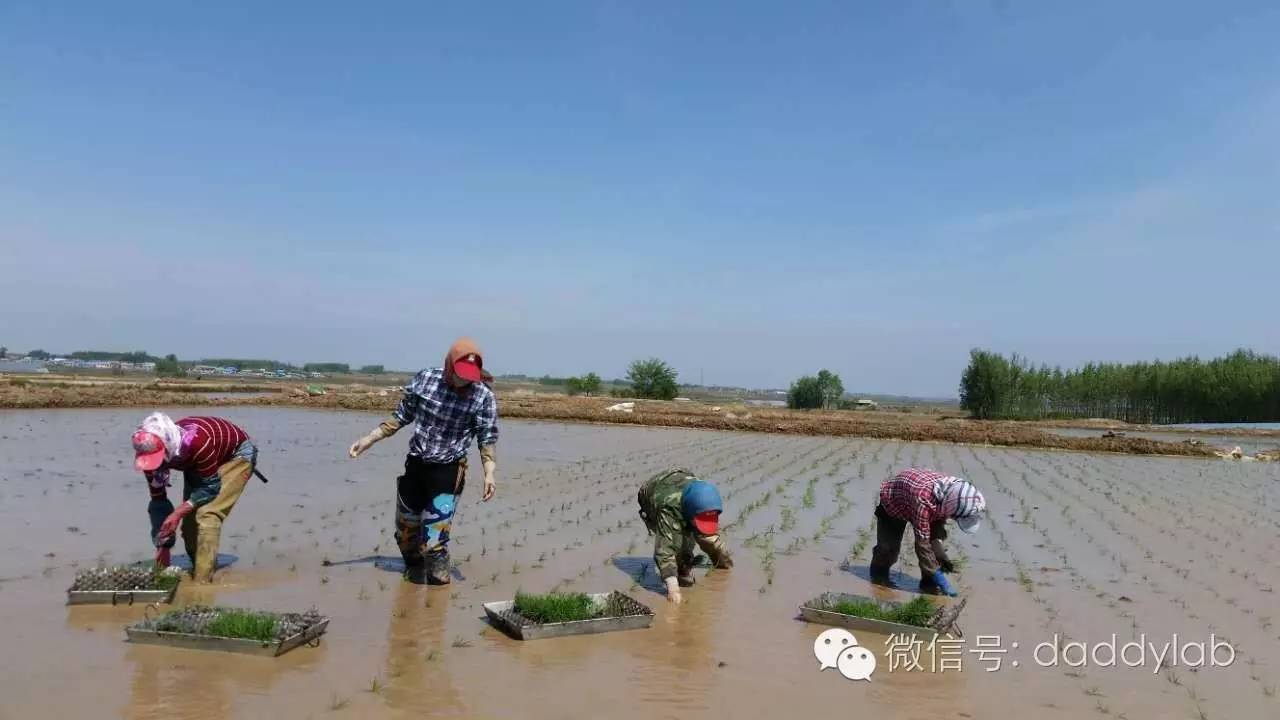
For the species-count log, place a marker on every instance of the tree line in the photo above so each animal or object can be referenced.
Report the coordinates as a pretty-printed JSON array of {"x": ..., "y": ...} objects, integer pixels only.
[{"x": 1241, "y": 387}]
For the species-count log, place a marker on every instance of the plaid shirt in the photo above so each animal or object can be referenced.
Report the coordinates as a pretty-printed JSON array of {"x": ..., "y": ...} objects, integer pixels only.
[
  {"x": 910, "y": 495},
  {"x": 446, "y": 420}
]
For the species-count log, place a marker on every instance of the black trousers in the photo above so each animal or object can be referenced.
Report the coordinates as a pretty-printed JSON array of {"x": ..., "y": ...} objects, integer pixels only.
[
  {"x": 889, "y": 532},
  {"x": 426, "y": 496}
]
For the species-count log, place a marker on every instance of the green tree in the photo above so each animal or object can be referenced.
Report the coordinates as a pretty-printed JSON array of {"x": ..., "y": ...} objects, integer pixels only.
[
  {"x": 983, "y": 385},
  {"x": 809, "y": 392},
  {"x": 805, "y": 394},
  {"x": 372, "y": 370},
  {"x": 330, "y": 367},
  {"x": 39, "y": 355},
  {"x": 652, "y": 378},
  {"x": 4, "y": 352},
  {"x": 168, "y": 366},
  {"x": 589, "y": 384},
  {"x": 137, "y": 356},
  {"x": 831, "y": 387}
]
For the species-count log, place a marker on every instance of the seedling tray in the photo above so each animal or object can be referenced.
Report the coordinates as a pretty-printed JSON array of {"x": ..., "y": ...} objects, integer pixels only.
[
  {"x": 818, "y": 610},
  {"x": 634, "y": 616},
  {"x": 119, "y": 586},
  {"x": 301, "y": 629}
]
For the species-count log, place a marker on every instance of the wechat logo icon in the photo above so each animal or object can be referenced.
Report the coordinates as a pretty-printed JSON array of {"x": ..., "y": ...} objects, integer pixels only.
[{"x": 839, "y": 649}]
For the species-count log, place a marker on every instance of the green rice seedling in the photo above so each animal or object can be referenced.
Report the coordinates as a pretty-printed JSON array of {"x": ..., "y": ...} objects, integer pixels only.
[
  {"x": 917, "y": 612},
  {"x": 788, "y": 519},
  {"x": 555, "y": 607},
  {"x": 810, "y": 498},
  {"x": 1025, "y": 580},
  {"x": 243, "y": 625}
]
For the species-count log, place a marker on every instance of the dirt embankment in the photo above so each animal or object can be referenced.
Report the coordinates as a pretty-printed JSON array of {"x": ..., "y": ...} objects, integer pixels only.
[
  {"x": 595, "y": 410},
  {"x": 1122, "y": 426},
  {"x": 837, "y": 423}
]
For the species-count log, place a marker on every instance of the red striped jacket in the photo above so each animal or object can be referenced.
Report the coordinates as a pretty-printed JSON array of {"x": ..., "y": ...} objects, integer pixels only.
[{"x": 213, "y": 442}]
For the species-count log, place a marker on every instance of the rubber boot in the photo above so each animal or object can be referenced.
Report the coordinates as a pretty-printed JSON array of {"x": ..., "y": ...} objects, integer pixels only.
[
  {"x": 207, "y": 554},
  {"x": 685, "y": 580},
  {"x": 929, "y": 587},
  {"x": 415, "y": 572},
  {"x": 438, "y": 568}
]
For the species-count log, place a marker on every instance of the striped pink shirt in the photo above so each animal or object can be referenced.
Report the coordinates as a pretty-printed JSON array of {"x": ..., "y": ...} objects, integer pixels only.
[{"x": 213, "y": 442}]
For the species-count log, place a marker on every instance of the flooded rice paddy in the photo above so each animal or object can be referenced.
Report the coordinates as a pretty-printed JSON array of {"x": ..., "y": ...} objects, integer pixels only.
[{"x": 1075, "y": 545}]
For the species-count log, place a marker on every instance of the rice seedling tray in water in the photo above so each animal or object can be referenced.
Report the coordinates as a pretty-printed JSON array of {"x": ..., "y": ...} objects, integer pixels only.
[
  {"x": 562, "y": 614},
  {"x": 124, "y": 585},
  {"x": 885, "y": 617},
  {"x": 235, "y": 630}
]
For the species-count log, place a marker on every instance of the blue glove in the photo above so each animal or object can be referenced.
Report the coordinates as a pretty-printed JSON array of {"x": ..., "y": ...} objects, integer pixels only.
[{"x": 943, "y": 583}]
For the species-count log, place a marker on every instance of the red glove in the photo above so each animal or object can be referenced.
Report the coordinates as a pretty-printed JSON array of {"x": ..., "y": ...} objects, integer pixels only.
[
  {"x": 170, "y": 525},
  {"x": 162, "y": 557}
]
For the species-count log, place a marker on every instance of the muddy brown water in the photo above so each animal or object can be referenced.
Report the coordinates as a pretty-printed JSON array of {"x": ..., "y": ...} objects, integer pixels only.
[{"x": 1075, "y": 544}]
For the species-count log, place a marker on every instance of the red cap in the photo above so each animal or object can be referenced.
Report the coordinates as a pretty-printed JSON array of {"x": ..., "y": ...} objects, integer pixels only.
[
  {"x": 150, "y": 451},
  {"x": 707, "y": 523},
  {"x": 467, "y": 367}
]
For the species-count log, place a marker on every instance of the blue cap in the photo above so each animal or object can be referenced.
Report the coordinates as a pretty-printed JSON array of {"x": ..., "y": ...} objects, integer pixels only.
[{"x": 699, "y": 497}]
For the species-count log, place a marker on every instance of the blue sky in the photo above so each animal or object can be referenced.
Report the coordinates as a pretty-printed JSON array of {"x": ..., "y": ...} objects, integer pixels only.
[{"x": 748, "y": 190}]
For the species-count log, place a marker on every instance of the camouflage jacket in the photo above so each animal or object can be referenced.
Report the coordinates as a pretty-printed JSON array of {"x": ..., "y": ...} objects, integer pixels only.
[{"x": 674, "y": 538}]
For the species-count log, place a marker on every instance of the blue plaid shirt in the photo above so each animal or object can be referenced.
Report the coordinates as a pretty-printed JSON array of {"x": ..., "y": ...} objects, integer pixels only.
[{"x": 445, "y": 421}]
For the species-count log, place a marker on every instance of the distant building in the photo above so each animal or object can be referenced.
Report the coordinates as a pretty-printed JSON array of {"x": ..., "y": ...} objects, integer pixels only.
[
  {"x": 865, "y": 404},
  {"x": 205, "y": 370},
  {"x": 24, "y": 366}
]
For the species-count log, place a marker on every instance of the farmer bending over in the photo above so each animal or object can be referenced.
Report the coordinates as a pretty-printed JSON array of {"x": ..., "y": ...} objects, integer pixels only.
[
  {"x": 449, "y": 406},
  {"x": 680, "y": 511},
  {"x": 925, "y": 499},
  {"x": 216, "y": 459}
]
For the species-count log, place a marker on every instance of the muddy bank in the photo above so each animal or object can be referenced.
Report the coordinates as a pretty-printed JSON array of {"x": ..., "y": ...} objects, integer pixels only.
[
  {"x": 1103, "y": 424},
  {"x": 595, "y": 410}
]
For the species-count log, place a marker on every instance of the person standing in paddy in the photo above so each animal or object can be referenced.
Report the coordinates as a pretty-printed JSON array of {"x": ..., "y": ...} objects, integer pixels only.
[
  {"x": 216, "y": 459},
  {"x": 449, "y": 406},
  {"x": 924, "y": 499}
]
